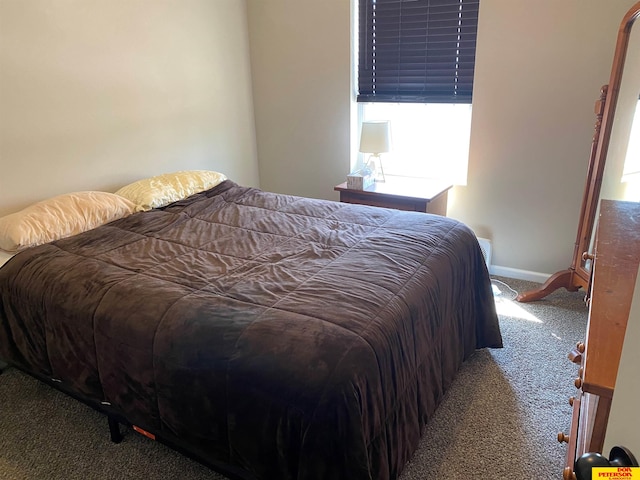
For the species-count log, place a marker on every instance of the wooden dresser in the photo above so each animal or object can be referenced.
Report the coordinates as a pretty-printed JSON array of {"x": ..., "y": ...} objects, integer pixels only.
[{"x": 615, "y": 268}]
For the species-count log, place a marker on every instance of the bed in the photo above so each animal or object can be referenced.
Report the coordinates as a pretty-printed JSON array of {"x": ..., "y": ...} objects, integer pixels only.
[{"x": 268, "y": 336}]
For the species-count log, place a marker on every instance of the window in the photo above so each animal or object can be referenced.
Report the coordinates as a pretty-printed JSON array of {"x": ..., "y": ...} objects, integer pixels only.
[
  {"x": 416, "y": 63},
  {"x": 429, "y": 140}
]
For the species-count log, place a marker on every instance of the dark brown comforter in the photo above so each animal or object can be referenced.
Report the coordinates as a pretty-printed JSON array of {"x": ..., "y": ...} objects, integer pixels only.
[{"x": 285, "y": 337}]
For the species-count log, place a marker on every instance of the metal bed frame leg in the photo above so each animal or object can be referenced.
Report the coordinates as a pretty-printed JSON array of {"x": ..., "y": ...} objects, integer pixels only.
[{"x": 114, "y": 430}]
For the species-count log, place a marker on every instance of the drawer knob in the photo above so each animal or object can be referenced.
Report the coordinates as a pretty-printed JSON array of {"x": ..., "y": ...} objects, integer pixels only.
[
  {"x": 563, "y": 438},
  {"x": 567, "y": 474},
  {"x": 578, "y": 382},
  {"x": 580, "y": 347},
  {"x": 588, "y": 256}
]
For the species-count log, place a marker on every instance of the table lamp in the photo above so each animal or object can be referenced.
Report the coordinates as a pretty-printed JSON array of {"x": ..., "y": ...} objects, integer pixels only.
[{"x": 375, "y": 139}]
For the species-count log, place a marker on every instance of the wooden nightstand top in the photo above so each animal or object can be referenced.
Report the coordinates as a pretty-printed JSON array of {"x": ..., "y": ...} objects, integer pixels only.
[
  {"x": 404, "y": 193},
  {"x": 406, "y": 187}
]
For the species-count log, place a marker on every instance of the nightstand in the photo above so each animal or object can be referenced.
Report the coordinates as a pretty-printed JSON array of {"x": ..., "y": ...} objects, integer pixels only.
[{"x": 401, "y": 193}]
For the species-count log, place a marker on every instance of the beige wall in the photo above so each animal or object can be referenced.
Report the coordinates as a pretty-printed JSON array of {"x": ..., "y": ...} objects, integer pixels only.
[
  {"x": 533, "y": 124},
  {"x": 301, "y": 67},
  {"x": 540, "y": 67},
  {"x": 95, "y": 93}
]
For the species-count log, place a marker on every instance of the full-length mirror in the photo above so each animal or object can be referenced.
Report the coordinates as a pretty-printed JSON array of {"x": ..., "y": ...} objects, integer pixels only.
[
  {"x": 621, "y": 179},
  {"x": 621, "y": 176},
  {"x": 614, "y": 168}
]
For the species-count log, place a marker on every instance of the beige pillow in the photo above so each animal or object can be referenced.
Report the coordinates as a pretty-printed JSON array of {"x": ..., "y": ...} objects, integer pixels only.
[
  {"x": 164, "y": 189},
  {"x": 60, "y": 217}
]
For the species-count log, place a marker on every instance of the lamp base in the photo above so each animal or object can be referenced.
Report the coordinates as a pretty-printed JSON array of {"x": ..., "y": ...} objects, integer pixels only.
[{"x": 375, "y": 165}]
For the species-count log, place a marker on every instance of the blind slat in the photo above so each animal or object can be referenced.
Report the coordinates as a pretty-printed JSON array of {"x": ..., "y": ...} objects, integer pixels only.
[{"x": 417, "y": 50}]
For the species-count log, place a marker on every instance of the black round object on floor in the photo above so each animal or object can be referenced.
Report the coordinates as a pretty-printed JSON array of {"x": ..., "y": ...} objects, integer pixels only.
[{"x": 586, "y": 462}]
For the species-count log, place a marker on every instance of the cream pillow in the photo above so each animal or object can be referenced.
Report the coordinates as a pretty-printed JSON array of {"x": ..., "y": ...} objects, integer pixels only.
[
  {"x": 60, "y": 217},
  {"x": 164, "y": 189}
]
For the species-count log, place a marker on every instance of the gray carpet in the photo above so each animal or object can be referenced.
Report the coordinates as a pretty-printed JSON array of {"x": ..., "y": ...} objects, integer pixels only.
[{"x": 499, "y": 419}]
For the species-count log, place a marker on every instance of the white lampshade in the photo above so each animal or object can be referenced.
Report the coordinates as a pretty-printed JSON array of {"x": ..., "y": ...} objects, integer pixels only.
[{"x": 375, "y": 137}]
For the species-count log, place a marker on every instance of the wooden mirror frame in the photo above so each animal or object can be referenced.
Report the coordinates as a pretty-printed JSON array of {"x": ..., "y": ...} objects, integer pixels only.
[{"x": 578, "y": 275}]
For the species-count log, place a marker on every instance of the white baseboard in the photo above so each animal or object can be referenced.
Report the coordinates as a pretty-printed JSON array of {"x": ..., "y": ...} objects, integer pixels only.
[{"x": 518, "y": 274}]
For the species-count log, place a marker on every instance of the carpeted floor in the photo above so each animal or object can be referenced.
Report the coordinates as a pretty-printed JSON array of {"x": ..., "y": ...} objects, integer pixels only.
[{"x": 499, "y": 419}]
